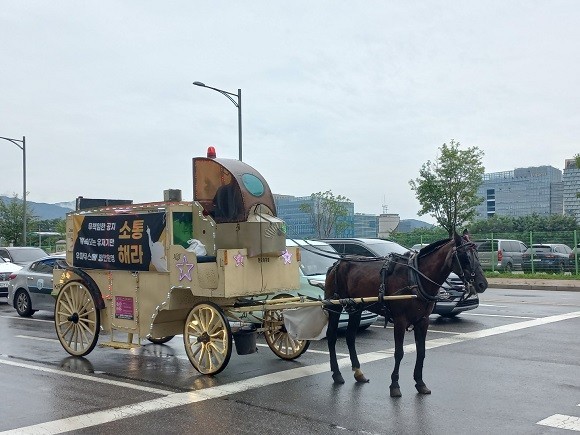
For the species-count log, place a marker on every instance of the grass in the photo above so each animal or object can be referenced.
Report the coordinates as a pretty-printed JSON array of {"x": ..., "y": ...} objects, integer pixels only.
[{"x": 537, "y": 275}]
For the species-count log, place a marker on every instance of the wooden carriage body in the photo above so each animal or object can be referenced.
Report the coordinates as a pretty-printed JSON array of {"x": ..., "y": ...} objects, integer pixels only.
[{"x": 146, "y": 265}]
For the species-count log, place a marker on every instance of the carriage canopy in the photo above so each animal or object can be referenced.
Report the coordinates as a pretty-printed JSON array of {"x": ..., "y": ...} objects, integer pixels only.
[{"x": 228, "y": 189}]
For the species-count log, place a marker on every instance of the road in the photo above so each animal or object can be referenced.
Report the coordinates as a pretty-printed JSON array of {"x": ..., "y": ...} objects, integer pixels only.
[{"x": 510, "y": 366}]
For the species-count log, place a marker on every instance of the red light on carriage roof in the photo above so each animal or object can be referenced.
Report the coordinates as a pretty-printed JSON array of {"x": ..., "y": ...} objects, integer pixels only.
[{"x": 211, "y": 153}]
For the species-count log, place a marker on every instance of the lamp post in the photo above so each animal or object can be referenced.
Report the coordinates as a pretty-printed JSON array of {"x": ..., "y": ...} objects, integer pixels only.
[
  {"x": 17, "y": 142},
  {"x": 238, "y": 104}
]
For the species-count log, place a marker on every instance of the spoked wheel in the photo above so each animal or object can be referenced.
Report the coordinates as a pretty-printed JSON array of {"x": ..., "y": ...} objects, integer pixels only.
[
  {"x": 278, "y": 338},
  {"x": 160, "y": 340},
  {"x": 76, "y": 319},
  {"x": 208, "y": 338}
]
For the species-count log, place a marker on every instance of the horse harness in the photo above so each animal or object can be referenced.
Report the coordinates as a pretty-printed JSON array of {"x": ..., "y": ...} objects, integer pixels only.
[{"x": 414, "y": 281}]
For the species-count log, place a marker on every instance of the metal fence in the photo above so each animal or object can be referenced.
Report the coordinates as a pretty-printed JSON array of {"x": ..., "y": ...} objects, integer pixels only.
[{"x": 569, "y": 238}]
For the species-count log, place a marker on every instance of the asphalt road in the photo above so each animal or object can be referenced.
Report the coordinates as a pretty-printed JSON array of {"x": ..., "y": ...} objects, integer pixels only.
[{"x": 510, "y": 366}]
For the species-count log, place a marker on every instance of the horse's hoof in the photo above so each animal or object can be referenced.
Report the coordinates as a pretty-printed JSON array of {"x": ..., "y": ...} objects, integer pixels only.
[
  {"x": 422, "y": 389},
  {"x": 361, "y": 378},
  {"x": 395, "y": 392},
  {"x": 337, "y": 378}
]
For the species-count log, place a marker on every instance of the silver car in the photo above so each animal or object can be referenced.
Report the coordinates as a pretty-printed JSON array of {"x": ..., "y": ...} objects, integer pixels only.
[{"x": 29, "y": 288}]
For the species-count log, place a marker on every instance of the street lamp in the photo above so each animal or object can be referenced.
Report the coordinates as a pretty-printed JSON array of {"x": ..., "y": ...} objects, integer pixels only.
[
  {"x": 17, "y": 142},
  {"x": 238, "y": 104}
]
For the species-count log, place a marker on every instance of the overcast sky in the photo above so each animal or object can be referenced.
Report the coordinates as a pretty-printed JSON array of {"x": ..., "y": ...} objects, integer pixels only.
[{"x": 346, "y": 96}]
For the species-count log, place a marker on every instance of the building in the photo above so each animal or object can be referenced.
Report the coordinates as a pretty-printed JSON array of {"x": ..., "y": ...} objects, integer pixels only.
[
  {"x": 571, "y": 188},
  {"x": 299, "y": 224},
  {"x": 521, "y": 192},
  {"x": 387, "y": 224},
  {"x": 366, "y": 225}
]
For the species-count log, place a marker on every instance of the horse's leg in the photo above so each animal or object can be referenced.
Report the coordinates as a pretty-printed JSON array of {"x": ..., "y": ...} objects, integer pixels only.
[
  {"x": 420, "y": 331},
  {"x": 399, "y": 334},
  {"x": 331, "y": 335},
  {"x": 351, "y": 331}
]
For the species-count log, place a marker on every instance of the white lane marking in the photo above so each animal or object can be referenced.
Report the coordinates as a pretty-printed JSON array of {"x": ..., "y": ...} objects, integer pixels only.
[
  {"x": 498, "y": 315},
  {"x": 561, "y": 421},
  {"x": 27, "y": 318},
  {"x": 36, "y": 338},
  {"x": 491, "y": 305},
  {"x": 85, "y": 377},
  {"x": 28, "y": 337},
  {"x": 436, "y": 331},
  {"x": 324, "y": 352},
  {"x": 179, "y": 399}
]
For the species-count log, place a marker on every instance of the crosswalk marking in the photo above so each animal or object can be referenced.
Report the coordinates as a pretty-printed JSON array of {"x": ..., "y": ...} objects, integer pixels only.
[{"x": 561, "y": 421}]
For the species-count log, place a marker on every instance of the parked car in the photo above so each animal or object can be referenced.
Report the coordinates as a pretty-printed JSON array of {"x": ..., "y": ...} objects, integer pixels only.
[
  {"x": 6, "y": 269},
  {"x": 502, "y": 255},
  {"x": 315, "y": 259},
  {"x": 22, "y": 255},
  {"x": 452, "y": 293},
  {"x": 548, "y": 257},
  {"x": 30, "y": 287}
]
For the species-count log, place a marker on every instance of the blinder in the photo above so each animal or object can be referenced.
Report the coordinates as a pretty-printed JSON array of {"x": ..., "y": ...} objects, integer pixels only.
[{"x": 463, "y": 256}]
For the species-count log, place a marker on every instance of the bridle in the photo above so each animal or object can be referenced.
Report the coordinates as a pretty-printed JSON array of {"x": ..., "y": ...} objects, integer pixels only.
[{"x": 469, "y": 249}]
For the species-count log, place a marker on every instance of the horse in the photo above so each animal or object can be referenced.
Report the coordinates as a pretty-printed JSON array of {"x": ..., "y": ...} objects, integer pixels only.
[{"x": 420, "y": 274}]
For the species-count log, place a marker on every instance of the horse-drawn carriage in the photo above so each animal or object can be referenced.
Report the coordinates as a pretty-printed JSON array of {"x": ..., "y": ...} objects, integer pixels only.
[
  {"x": 156, "y": 270},
  {"x": 152, "y": 271}
]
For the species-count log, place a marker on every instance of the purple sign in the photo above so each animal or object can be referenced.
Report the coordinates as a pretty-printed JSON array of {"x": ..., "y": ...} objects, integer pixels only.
[{"x": 124, "y": 307}]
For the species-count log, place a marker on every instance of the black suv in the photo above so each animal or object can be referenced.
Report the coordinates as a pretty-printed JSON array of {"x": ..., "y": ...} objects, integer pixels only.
[{"x": 452, "y": 292}]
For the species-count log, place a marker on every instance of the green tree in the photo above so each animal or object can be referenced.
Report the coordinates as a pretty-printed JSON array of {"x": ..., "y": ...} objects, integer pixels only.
[
  {"x": 447, "y": 188},
  {"x": 12, "y": 218},
  {"x": 523, "y": 224},
  {"x": 326, "y": 213}
]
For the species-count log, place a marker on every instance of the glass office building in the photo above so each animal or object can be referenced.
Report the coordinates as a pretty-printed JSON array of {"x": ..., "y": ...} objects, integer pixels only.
[
  {"x": 571, "y": 188},
  {"x": 299, "y": 224},
  {"x": 522, "y": 192}
]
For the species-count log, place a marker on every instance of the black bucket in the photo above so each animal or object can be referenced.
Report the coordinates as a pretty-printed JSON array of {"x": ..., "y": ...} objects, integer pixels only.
[{"x": 245, "y": 339}]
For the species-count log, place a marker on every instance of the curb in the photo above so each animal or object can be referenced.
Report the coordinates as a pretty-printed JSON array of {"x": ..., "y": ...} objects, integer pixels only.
[{"x": 571, "y": 286}]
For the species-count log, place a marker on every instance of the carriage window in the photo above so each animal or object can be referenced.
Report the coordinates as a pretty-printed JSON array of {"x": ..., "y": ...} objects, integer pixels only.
[{"x": 253, "y": 184}]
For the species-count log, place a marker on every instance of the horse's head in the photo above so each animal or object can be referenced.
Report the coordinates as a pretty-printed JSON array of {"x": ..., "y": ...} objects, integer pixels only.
[{"x": 466, "y": 265}]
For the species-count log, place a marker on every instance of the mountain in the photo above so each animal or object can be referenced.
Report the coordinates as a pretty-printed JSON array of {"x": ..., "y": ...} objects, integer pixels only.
[{"x": 45, "y": 211}]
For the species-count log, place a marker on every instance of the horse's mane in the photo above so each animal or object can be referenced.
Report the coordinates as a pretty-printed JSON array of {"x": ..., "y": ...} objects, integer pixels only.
[{"x": 432, "y": 247}]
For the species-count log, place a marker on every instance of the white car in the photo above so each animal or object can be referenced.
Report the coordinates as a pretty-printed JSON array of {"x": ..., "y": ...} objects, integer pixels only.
[
  {"x": 316, "y": 257},
  {"x": 6, "y": 269}
]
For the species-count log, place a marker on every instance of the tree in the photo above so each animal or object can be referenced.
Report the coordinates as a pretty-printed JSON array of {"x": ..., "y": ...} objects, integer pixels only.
[
  {"x": 325, "y": 212},
  {"x": 11, "y": 220},
  {"x": 447, "y": 188}
]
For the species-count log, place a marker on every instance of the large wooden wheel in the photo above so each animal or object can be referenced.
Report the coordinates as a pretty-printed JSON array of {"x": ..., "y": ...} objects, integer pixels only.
[
  {"x": 278, "y": 338},
  {"x": 76, "y": 319},
  {"x": 208, "y": 338}
]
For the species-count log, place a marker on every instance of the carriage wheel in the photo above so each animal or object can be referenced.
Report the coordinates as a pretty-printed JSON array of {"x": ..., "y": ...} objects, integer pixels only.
[
  {"x": 160, "y": 340},
  {"x": 208, "y": 338},
  {"x": 278, "y": 338},
  {"x": 76, "y": 319}
]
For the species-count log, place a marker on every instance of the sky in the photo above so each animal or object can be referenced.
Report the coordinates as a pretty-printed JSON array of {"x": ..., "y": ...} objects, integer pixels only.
[{"x": 352, "y": 97}]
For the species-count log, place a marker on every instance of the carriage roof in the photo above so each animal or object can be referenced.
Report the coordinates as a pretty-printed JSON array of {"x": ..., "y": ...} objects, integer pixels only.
[{"x": 232, "y": 182}]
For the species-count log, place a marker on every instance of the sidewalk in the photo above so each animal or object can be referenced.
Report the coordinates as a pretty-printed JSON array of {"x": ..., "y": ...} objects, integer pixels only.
[{"x": 535, "y": 284}]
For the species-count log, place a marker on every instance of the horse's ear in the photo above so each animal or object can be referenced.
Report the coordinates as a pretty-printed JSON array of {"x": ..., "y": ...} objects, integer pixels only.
[{"x": 457, "y": 239}]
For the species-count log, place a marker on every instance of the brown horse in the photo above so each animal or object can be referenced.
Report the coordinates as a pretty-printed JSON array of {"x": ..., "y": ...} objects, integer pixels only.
[{"x": 420, "y": 274}]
